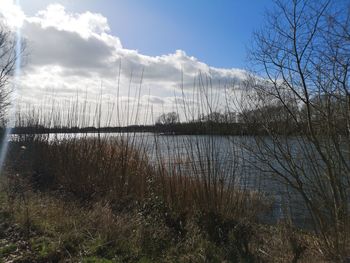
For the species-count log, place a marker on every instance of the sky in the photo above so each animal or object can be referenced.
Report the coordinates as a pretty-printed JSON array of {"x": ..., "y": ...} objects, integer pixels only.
[
  {"x": 90, "y": 47},
  {"x": 216, "y": 32}
]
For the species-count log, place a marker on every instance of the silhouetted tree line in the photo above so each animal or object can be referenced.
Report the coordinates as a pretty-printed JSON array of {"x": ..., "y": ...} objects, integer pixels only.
[{"x": 262, "y": 120}]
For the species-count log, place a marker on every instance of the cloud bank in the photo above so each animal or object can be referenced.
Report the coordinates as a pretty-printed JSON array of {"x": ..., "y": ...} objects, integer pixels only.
[{"x": 76, "y": 53}]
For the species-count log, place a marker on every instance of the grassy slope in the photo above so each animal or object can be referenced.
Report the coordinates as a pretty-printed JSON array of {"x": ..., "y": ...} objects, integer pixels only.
[{"x": 46, "y": 229}]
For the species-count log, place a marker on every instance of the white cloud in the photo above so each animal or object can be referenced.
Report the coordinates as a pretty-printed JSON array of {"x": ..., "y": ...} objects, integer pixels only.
[
  {"x": 11, "y": 13},
  {"x": 76, "y": 53},
  {"x": 86, "y": 24}
]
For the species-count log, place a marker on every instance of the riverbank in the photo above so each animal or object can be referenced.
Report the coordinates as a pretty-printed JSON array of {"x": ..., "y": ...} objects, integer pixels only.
[
  {"x": 42, "y": 228},
  {"x": 100, "y": 200}
]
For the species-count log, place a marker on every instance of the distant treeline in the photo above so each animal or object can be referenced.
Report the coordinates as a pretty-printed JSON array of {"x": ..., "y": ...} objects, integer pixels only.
[
  {"x": 188, "y": 128},
  {"x": 176, "y": 129},
  {"x": 272, "y": 118}
]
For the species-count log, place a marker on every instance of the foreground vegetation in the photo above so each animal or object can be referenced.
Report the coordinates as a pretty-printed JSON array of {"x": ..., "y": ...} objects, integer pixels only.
[{"x": 61, "y": 202}]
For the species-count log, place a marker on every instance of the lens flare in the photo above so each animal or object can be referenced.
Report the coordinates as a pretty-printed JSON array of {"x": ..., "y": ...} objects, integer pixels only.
[{"x": 13, "y": 97}]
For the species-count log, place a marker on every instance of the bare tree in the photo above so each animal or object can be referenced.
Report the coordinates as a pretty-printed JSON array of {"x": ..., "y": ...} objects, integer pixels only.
[
  {"x": 8, "y": 57},
  {"x": 168, "y": 118},
  {"x": 304, "y": 54}
]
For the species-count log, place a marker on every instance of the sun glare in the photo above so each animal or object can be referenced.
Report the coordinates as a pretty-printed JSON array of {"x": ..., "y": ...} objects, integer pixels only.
[{"x": 15, "y": 84}]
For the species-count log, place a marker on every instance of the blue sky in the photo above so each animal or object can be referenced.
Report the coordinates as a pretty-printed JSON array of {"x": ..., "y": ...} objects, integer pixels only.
[
  {"x": 215, "y": 32},
  {"x": 76, "y": 47}
]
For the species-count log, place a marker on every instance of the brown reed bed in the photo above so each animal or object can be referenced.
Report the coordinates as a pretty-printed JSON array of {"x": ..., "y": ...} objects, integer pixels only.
[{"x": 102, "y": 200}]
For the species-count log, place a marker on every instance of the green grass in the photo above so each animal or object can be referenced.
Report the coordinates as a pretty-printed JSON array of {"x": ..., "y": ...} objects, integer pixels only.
[
  {"x": 44, "y": 247},
  {"x": 7, "y": 249},
  {"x": 96, "y": 260}
]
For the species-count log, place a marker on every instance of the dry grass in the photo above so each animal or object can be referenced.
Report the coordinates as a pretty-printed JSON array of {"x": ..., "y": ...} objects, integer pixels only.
[
  {"x": 184, "y": 192},
  {"x": 87, "y": 168},
  {"x": 100, "y": 199},
  {"x": 119, "y": 172},
  {"x": 67, "y": 231}
]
